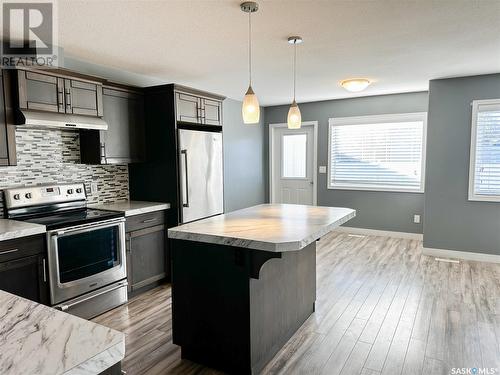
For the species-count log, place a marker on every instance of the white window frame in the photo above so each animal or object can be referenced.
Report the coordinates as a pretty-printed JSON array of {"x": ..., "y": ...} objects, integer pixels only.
[
  {"x": 472, "y": 166},
  {"x": 378, "y": 119}
]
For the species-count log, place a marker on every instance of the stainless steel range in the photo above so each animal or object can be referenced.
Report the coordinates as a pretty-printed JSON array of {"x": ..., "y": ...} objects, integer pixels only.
[{"x": 86, "y": 247}]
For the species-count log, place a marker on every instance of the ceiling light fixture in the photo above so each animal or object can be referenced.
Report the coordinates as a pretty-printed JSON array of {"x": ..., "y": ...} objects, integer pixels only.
[
  {"x": 294, "y": 119},
  {"x": 355, "y": 84},
  {"x": 250, "y": 109}
]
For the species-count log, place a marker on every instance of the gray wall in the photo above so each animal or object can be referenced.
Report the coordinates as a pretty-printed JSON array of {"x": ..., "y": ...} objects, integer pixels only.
[
  {"x": 244, "y": 159},
  {"x": 375, "y": 210},
  {"x": 451, "y": 221}
]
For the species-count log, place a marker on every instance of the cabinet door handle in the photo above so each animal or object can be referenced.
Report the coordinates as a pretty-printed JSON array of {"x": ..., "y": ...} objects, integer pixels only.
[
  {"x": 103, "y": 153},
  {"x": 8, "y": 251},
  {"x": 60, "y": 100},
  {"x": 44, "y": 270},
  {"x": 68, "y": 99},
  {"x": 186, "y": 195},
  {"x": 149, "y": 220}
]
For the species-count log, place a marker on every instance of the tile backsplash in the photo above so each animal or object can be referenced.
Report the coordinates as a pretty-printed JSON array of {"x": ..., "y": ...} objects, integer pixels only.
[{"x": 53, "y": 156}]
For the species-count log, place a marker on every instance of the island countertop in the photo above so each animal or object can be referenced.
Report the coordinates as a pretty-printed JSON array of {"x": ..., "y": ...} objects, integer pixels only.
[
  {"x": 36, "y": 339},
  {"x": 268, "y": 227}
]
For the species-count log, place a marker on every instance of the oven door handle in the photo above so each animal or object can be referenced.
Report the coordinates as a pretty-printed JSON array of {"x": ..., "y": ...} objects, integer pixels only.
[
  {"x": 87, "y": 227},
  {"x": 93, "y": 295}
]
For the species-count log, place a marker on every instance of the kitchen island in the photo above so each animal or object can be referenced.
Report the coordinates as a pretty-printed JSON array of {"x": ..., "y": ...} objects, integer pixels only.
[{"x": 244, "y": 282}]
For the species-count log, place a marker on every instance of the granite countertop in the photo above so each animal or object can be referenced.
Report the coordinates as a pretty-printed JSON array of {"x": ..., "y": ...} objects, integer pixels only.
[
  {"x": 10, "y": 229},
  {"x": 268, "y": 227},
  {"x": 131, "y": 208},
  {"x": 36, "y": 339}
]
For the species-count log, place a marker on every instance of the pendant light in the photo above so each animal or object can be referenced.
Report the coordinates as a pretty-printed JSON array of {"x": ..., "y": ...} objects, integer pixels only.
[
  {"x": 250, "y": 109},
  {"x": 294, "y": 119}
]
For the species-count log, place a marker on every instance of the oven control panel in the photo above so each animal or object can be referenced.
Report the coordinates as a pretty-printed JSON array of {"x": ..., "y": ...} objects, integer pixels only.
[{"x": 44, "y": 194}]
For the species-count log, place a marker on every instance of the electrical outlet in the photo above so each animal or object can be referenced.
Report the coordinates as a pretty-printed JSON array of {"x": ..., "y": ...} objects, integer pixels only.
[
  {"x": 416, "y": 219},
  {"x": 93, "y": 187},
  {"x": 322, "y": 169}
]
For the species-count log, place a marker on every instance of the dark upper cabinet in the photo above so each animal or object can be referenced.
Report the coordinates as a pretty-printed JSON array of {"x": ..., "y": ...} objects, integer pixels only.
[
  {"x": 212, "y": 112},
  {"x": 7, "y": 132},
  {"x": 83, "y": 98},
  {"x": 40, "y": 91},
  {"x": 53, "y": 93},
  {"x": 188, "y": 108},
  {"x": 124, "y": 141},
  {"x": 197, "y": 109},
  {"x": 23, "y": 268},
  {"x": 4, "y": 151}
]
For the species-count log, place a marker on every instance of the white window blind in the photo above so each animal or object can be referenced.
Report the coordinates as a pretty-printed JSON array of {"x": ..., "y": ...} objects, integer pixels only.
[
  {"x": 484, "y": 180},
  {"x": 377, "y": 152}
]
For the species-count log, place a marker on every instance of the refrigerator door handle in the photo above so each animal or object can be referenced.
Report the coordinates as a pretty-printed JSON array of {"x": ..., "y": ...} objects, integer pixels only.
[{"x": 185, "y": 198}]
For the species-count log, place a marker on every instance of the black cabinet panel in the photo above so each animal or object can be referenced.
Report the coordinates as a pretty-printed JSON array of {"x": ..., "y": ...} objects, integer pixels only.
[{"x": 4, "y": 151}]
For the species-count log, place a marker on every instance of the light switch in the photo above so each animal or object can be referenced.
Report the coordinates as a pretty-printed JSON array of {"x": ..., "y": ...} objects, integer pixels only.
[
  {"x": 416, "y": 219},
  {"x": 322, "y": 169}
]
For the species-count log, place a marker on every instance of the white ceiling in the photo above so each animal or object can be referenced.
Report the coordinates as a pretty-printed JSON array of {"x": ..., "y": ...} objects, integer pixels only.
[{"x": 399, "y": 44}]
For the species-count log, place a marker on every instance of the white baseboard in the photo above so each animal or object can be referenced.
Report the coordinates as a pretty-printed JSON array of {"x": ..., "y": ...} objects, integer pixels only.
[
  {"x": 376, "y": 232},
  {"x": 465, "y": 255}
]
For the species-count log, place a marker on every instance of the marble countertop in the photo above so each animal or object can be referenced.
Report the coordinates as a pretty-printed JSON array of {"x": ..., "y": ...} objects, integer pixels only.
[
  {"x": 268, "y": 227},
  {"x": 10, "y": 229},
  {"x": 36, "y": 339},
  {"x": 131, "y": 208}
]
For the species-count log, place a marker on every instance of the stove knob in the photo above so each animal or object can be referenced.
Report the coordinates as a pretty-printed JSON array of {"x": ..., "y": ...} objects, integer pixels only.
[
  {"x": 79, "y": 190},
  {"x": 28, "y": 195},
  {"x": 17, "y": 197},
  {"x": 70, "y": 191}
]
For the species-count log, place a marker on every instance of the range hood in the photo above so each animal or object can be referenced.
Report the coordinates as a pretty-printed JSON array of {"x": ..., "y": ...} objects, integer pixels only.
[{"x": 26, "y": 117}]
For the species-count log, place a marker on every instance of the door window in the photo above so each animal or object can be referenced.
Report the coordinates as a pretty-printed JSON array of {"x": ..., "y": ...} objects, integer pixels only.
[{"x": 294, "y": 156}]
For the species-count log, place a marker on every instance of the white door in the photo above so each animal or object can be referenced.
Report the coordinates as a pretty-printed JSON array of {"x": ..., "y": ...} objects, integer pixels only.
[{"x": 293, "y": 164}]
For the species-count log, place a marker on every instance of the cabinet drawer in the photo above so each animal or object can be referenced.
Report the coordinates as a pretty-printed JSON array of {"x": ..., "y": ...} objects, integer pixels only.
[
  {"x": 22, "y": 247},
  {"x": 144, "y": 221}
]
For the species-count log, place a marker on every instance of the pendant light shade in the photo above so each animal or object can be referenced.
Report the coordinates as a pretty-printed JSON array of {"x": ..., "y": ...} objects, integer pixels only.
[
  {"x": 250, "y": 110},
  {"x": 294, "y": 119}
]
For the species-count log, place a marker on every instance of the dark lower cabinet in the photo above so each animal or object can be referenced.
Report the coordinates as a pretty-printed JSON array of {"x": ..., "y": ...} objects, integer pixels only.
[
  {"x": 124, "y": 141},
  {"x": 23, "y": 268},
  {"x": 147, "y": 260}
]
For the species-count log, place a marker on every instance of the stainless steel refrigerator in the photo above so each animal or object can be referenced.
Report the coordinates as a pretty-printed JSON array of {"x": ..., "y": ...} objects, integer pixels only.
[{"x": 201, "y": 174}]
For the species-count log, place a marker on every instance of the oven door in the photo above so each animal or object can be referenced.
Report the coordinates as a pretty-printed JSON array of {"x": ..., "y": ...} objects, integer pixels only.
[{"x": 85, "y": 258}]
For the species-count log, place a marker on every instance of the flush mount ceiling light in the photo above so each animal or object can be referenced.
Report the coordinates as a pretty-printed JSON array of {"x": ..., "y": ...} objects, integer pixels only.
[
  {"x": 355, "y": 84},
  {"x": 250, "y": 109},
  {"x": 294, "y": 119}
]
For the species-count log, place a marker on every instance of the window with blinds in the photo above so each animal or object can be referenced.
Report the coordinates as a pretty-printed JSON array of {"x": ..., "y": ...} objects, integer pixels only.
[
  {"x": 382, "y": 153},
  {"x": 484, "y": 173}
]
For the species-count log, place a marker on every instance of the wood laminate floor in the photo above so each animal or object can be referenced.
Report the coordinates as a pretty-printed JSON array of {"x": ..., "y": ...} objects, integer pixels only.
[{"x": 382, "y": 308}]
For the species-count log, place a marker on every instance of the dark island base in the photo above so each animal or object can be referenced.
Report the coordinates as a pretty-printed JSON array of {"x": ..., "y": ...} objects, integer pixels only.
[
  {"x": 234, "y": 308},
  {"x": 116, "y": 369}
]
